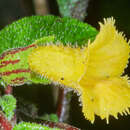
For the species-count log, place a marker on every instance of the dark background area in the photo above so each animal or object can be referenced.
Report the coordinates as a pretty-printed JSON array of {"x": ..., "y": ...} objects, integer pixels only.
[{"x": 11, "y": 10}]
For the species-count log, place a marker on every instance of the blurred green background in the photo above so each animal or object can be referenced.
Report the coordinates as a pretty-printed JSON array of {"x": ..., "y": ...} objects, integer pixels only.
[{"x": 11, "y": 10}]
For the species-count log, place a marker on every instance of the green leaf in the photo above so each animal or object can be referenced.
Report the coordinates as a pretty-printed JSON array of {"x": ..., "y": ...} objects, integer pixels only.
[
  {"x": 32, "y": 126},
  {"x": 29, "y": 29},
  {"x": 8, "y": 105}
]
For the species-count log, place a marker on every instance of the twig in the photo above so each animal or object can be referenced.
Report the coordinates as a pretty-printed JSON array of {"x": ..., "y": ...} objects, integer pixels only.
[
  {"x": 64, "y": 99},
  {"x": 60, "y": 125}
]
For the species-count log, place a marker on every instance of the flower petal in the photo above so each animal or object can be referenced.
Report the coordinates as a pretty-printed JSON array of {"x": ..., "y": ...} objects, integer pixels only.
[
  {"x": 61, "y": 64},
  {"x": 108, "y": 54},
  {"x": 105, "y": 97}
]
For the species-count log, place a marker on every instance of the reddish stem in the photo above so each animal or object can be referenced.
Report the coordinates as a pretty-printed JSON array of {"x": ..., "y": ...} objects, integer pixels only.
[
  {"x": 63, "y": 107},
  {"x": 4, "y": 123},
  {"x": 60, "y": 125},
  {"x": 8, "y": 89}
]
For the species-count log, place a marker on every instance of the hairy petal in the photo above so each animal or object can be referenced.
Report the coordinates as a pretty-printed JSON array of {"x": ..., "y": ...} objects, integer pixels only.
[
  {"x": 61, "y": 64},
  {"x": 108, "y": 54},
  {"x": 105, "y": 97}
]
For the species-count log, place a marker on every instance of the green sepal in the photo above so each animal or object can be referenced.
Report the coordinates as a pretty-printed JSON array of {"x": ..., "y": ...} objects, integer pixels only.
[{"x": 39, "y": 79}]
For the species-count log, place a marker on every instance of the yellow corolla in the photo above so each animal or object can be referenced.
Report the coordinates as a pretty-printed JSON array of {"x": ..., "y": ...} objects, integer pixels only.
[
  {"x": 61, "y": 64},
  {"x": 94, "y": 71}
]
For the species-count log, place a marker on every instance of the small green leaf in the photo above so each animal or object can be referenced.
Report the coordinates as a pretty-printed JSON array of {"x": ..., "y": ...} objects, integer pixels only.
[
  {"x": 50, "y": 117},
  {"x": 8, "y": 105}
]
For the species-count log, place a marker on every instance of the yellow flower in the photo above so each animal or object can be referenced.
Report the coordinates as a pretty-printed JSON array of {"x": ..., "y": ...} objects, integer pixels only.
[{"x": 94, "y": 71}]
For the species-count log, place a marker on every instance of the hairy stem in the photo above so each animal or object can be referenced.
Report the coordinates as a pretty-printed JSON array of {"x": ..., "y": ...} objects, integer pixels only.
[
  {"x": 75, "y": 9},
  {"x": 4, "y": 123},
  {"x": 61, "y": 126},
  {"x": 63, "y": 104},
  {"x": 8, "y": 89}
]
